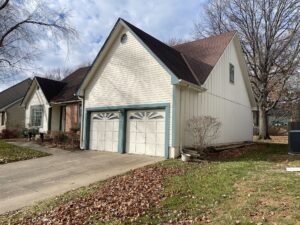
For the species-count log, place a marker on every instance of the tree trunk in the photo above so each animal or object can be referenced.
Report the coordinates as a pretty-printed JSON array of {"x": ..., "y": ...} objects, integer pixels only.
[{"x": 263, "y": 124}]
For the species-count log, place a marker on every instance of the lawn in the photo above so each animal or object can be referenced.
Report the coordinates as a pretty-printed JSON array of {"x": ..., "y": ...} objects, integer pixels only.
[
  {"x": 11, "y": 153},
  {"x": 248, "y": 186}
]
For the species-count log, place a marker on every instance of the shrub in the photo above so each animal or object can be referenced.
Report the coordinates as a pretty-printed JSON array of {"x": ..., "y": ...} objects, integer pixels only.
[
  {"x": 74, "y": 129},
  {"x": 204, "y": 129},
  {"x": 7, "y": 133}
]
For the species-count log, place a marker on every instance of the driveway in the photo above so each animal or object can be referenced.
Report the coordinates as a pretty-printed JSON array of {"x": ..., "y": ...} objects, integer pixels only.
[{"x": 27, "y": 182}]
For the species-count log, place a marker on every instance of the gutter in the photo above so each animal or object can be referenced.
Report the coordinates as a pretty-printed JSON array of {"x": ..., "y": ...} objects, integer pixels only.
[
  {"x": 81, "y": 98},
  {"x": 187, "y": 84}
]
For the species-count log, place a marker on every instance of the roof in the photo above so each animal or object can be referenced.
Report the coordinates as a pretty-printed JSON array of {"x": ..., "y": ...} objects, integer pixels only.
[
  {"x": 205, "y": 53},
  {"x": 192, "y": 61},
  {"x": 50, "y": 87},
  {"x": 72, "y": 82},
  {"x": 64, "y": 90},
  {"x": 14, "y": 93}
]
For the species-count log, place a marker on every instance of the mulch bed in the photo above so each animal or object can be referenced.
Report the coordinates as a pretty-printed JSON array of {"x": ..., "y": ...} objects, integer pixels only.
[
  {"x": 122, "y": 198},
  {"x": 232, "y": 153}
]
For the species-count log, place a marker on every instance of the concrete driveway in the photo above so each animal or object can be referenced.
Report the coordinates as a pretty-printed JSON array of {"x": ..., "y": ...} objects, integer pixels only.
[{"x": 27, "y": 182}]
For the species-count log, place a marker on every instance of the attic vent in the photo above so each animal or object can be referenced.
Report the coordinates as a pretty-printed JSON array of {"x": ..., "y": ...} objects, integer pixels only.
[{"x": 124, "y": 38}]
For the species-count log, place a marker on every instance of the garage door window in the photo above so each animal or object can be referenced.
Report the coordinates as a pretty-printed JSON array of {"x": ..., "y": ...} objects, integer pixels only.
[
  {"x": 106, "y": 116},
  {"x": 145, "y": 116}
]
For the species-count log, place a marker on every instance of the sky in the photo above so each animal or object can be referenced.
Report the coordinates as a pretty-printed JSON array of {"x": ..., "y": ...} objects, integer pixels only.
[{"x": 94, "y": 19}]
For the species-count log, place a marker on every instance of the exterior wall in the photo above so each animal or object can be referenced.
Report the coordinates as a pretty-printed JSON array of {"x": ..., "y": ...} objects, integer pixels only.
[
  {"x": 129, "y": 75},
  {"x": 55, "y": 118},
  {"x": 15, "y": 117},
  {"x": 71, "y": 116},
  {"x": 2, "y": 127},
  {"x": 38, "y": 98},
  {"x": 226, "y": 101}
]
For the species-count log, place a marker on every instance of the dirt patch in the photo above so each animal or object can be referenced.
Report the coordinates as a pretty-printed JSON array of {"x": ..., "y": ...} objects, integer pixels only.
[
  {"x": 124, "y": 197},
  {"x": 274, "y": 140},
  {"x": 232, "y": 153}
]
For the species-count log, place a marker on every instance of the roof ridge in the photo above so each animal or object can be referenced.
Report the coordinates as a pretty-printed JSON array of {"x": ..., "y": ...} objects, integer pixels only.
[
  {"x": 153, "y": 37},
  {"x": 205, "y": 38},
  {"x": 15, "y": 85}
]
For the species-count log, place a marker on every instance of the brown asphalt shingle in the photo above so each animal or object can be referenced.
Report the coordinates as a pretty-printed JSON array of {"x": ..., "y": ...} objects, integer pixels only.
[
  {"x": 73, "y": 82},
  {"x": 14, "y": 93},
  {"x": 205, "y": 53},
  {"x": 196, "y": 58}
]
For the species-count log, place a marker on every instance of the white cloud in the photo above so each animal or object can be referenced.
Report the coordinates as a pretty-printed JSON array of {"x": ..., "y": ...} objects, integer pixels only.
[{"x": 94, "y": 20}]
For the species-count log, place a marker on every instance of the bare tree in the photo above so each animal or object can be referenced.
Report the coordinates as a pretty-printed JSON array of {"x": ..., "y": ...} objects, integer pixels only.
[
  {"x": 57, "y": 74},
  {"x": 204, "y": 130},
  {"x": 175, "y": 41},
  {"x": 269, "y": 31},
  {"x": 23, "y": 25}
]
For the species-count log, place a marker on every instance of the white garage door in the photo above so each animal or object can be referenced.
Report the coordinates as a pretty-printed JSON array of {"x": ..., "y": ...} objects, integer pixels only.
[
  {"x": 104, "y": 131},
  {"x": 146, "y": 132}
]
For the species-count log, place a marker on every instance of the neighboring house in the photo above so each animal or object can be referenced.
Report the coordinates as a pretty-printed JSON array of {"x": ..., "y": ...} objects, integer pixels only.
[
  {"x": 139, "y": 92},
  {"x": 51, "y": 105},
  {"x": 12, "y": 115}
]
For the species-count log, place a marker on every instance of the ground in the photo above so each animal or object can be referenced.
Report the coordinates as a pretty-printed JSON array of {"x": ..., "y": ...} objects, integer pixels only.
[
  {"x": 11, "y": 153},
  {"x": 242, "y": 186},
  {"x": 27, "y": 182}
]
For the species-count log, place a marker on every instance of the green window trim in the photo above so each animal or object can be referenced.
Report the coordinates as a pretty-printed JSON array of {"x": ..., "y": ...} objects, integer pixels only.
[
  {"x": 231, "y": 73},
  {"x": 36, "y": 115}
]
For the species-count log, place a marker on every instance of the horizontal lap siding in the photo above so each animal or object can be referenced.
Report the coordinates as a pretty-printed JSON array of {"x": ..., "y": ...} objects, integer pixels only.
[
  {"x": 37, "y": 98},
  {"x": 223, "y": 100},
  {"x": 129, "y": 75},
  {"x": 15, "y": 117}
]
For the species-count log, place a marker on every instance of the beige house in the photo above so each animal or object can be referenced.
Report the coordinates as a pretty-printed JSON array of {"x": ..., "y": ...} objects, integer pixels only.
[
  {"x": 51, "y": 106},
  {"x": 139, "y": 92},
  {"x": 12, "y": 115}
]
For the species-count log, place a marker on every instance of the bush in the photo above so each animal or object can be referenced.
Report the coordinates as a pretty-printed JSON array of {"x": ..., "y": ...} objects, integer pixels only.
[
  {"x": 74, "y": 129},
  {"x": 204, "y": 130},
  {"x": 6, "y": 134}
]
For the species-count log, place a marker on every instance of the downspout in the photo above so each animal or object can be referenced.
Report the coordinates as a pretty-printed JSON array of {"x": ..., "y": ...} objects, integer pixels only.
[{"x": 82, "y": 120}]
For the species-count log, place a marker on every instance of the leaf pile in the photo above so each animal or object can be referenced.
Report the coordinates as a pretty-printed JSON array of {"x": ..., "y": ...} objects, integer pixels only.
[{"x": 122, "y": 198}]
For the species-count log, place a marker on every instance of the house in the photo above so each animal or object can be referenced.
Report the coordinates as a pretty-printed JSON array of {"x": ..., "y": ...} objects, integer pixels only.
[
  {"x": 12, "y": 115},
  {"x": 51, "y": 105},
  {"x": 139, "y": 92}
]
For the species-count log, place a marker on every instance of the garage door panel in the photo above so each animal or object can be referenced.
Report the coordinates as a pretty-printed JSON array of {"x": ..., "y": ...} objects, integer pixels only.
[
  {"x": 140, "y": 126},
  {"x": 160, "y": 127},
  {"x": 151, "y": 127},
  {"x": 104, "y": 131},
  {"x": 146, "y": 132},
  {"x": 160, "y": 138},
  {"x": 151, "y": 138}
]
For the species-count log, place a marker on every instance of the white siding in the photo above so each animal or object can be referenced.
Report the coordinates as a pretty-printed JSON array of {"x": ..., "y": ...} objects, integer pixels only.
[
  {"x": 226, "y": 101},
  {"x": 129, "y": 75},
  {"x": 37, "y": 98}
]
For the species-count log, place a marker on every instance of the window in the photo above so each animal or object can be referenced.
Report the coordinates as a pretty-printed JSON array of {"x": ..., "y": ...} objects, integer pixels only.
[
  {"x": 124, "y": 38},
  {"x": 36, "y": 115},
  {"x": 231, "y": 73},
  {"x": 2, "y": 118}
]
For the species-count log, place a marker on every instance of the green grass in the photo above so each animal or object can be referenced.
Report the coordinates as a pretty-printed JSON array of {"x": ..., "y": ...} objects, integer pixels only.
[
  {"x": 251, "y": 189},
  {"x": 12, "y": 153}
]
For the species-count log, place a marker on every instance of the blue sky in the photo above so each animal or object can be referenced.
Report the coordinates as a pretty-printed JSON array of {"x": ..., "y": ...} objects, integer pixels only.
[{"x": 94, "y": 19}]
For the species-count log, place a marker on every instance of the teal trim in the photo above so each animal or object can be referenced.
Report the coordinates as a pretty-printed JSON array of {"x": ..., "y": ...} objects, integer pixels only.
[
  {"x": 122, "y": 132},
  {"x": 173, "y": 115},
  {"x": 87, "y": 129},
  {"x": 60, "y": 118},
  {"x": 49, "y": 118},
  {"x": 174, "y": 80},
  {"x": 123, "y": 121}
]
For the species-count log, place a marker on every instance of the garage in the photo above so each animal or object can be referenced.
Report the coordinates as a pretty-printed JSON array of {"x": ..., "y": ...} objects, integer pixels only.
[
  {"x": 104, "y": 131},
  {"x": 146, "y": 132}
]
